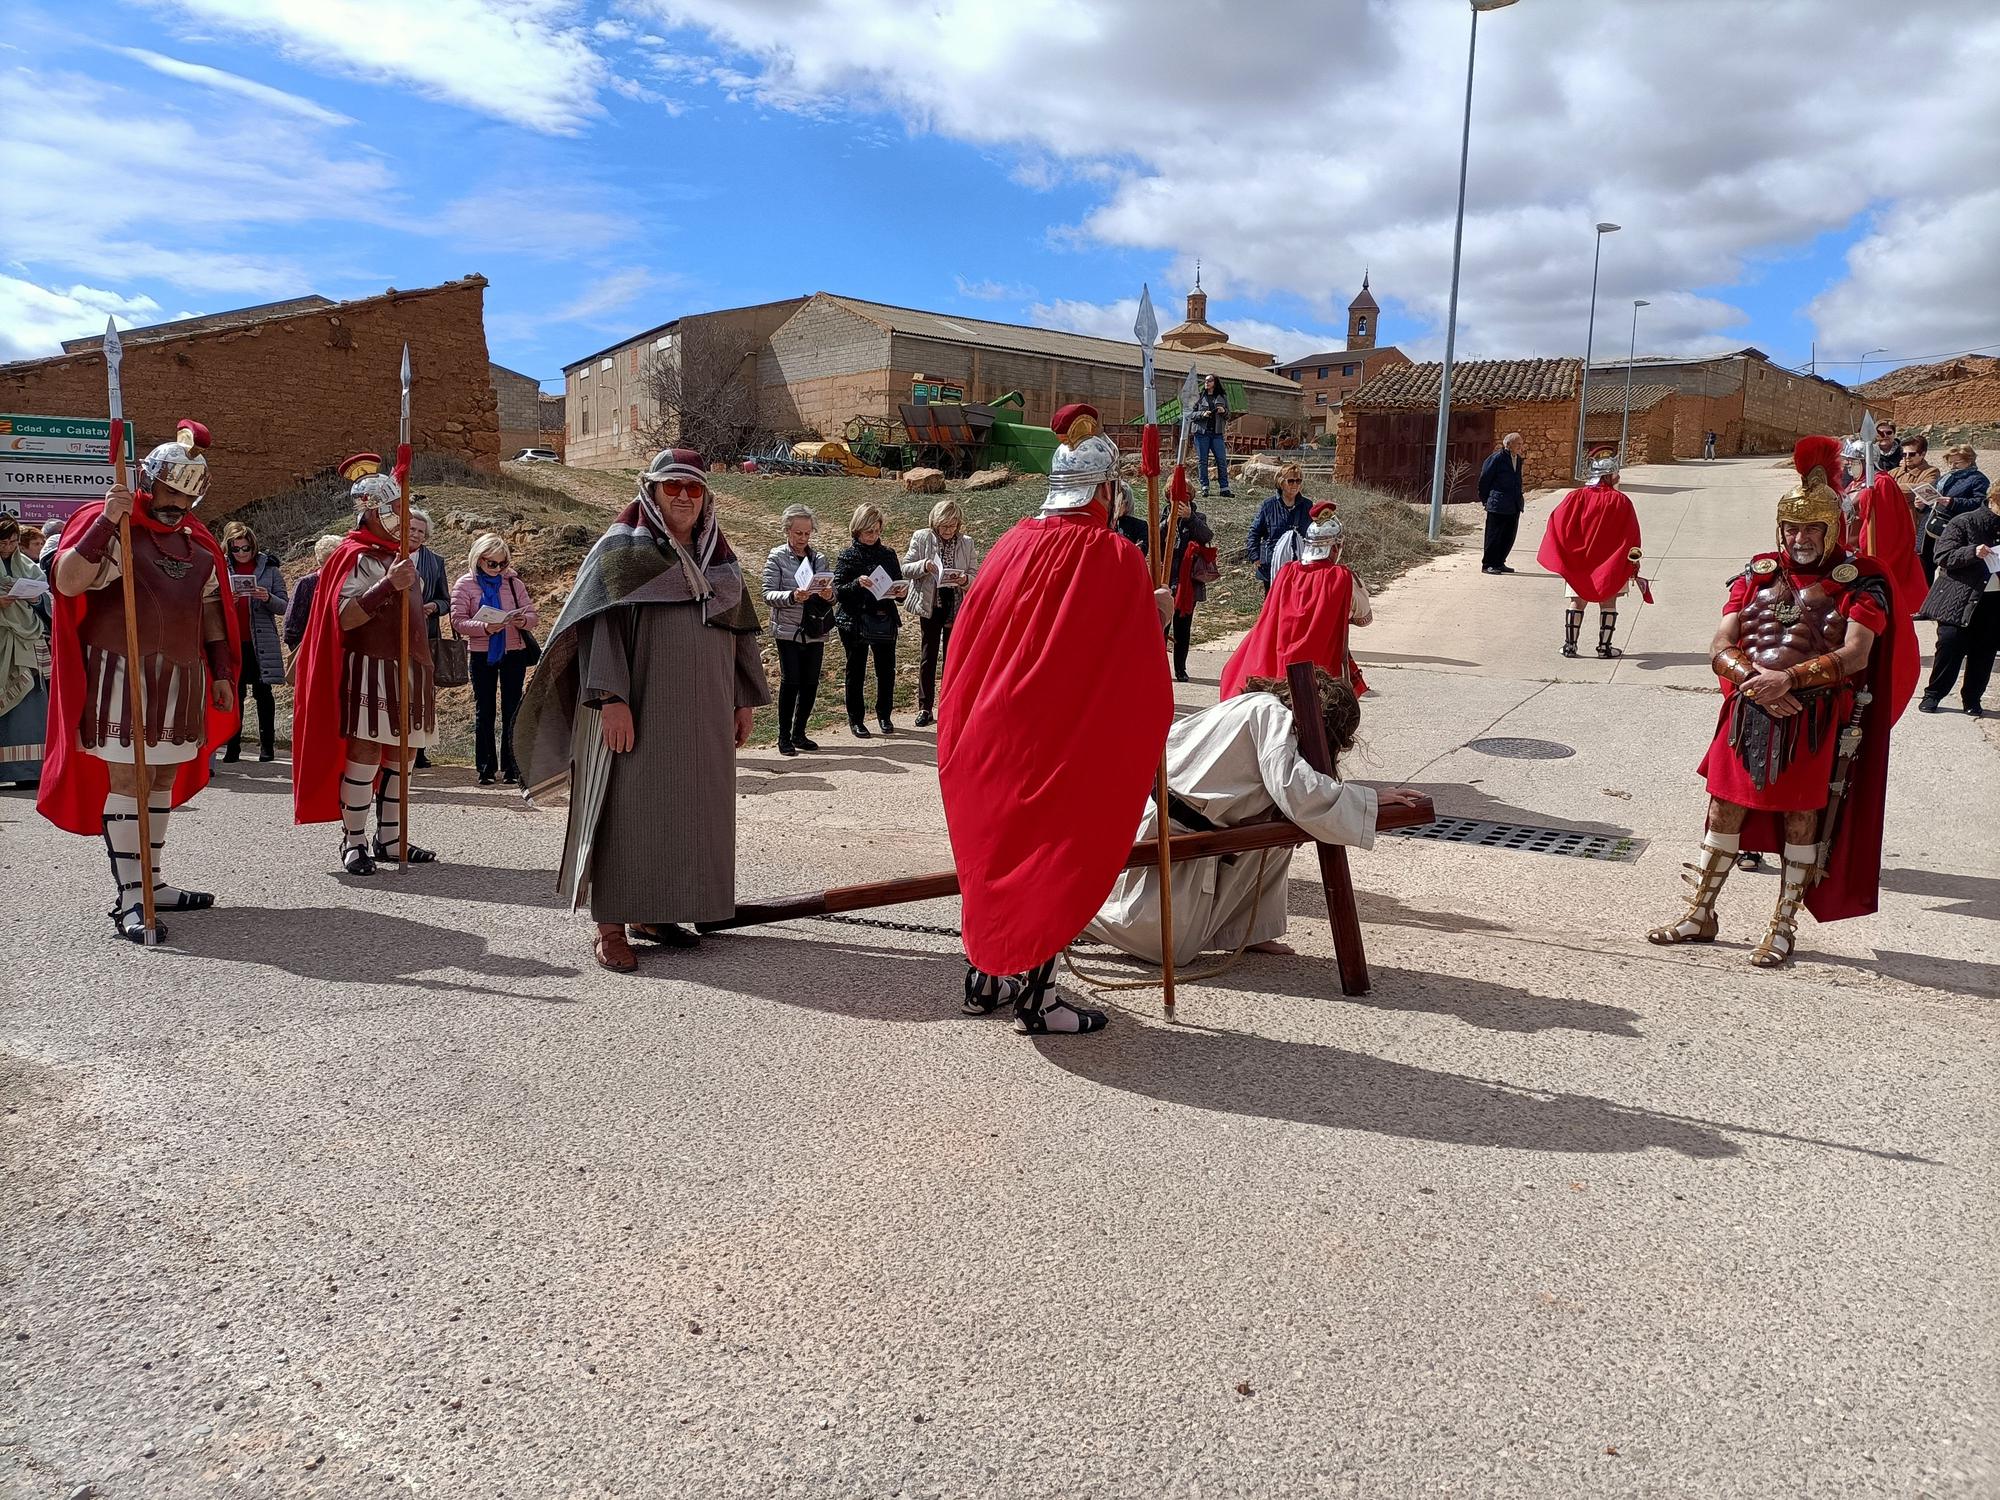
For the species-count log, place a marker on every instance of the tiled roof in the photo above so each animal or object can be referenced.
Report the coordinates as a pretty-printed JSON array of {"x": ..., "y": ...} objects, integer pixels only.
[
  {"x": 1608, "y": 396},
  {"x": 1477, "y": 382},
  {"x": 1344, "y": 357},
  {"x": 954, "y": 329}
]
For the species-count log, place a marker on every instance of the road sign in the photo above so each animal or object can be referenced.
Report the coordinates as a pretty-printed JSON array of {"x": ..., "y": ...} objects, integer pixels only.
[
  {"x": 73, "y": 438},
  {"x": 42, "y": 478}
]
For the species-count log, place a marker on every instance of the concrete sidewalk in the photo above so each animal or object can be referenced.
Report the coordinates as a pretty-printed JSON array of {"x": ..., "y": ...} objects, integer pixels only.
[{"x": 368, "y": 1186}]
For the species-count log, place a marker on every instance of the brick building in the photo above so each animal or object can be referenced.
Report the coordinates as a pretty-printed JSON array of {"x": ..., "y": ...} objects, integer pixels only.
[
  {"x": 605, "y": 397},
  {"x": 840, "y": 357},
  {"x": 1387, "y": 435},
  {"x": 1751, "y": 404},
  {"x": 1650, "y": 432},
  {"x": 289, "y": 393},
  {"x": 1329, "y": 376},
  {"x": 519, "y": 403},
  {"x": 1196, "y": 335}
]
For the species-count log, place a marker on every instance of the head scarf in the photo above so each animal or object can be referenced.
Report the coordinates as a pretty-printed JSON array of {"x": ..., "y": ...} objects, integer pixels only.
[{"x": 685, "y": 465}]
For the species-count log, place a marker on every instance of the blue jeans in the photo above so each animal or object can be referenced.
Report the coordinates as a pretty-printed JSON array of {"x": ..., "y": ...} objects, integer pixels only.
[{"x": 1206, "y": 443}]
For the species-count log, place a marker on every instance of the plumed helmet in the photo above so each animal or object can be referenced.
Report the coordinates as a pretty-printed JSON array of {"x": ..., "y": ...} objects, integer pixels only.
[
  {"x": 181, "y": 464},
  {"x": 367, "y": 486},
  {"x": 1813, "y": 501},
  {"x": 1078, "y": 469},
  {"x": 1323, "y": 533},
  {"x": 1603, "y": 470}
]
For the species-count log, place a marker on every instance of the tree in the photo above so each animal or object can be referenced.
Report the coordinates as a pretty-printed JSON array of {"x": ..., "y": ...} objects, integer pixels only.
[{"x": 701, "y": 391}]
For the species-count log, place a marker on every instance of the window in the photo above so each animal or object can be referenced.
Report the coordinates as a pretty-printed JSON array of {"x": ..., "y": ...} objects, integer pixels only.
[
  {"x": 1347, "y": 371},
  {"x": 1361, "y": 326},
  {"x": 633, "y": 423},
  {"x": 584, "y": 373},
  {"x": 583, "y": 422},
  {"x": 635, "y": 361},
  {"x": 1322, "y": 372},
  {"x": 1319, "y": 398},
  {"x": 605, "y": 363}
]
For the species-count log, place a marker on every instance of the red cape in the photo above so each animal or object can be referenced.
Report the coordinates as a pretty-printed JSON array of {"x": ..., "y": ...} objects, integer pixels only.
[
  {"x": 1055, "y": 711},
  {"x": 1884, "y": 530},
  {"x": 1305, "y": 618},
  {"x": 319, "y": 749},
  {"x": 1854, "y": 864},
  {"x": 75, "y": 783},
  {"x": 1590, "y": 536}
]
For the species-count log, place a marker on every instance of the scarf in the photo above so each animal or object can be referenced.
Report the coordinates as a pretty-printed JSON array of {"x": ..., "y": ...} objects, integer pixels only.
[{"x": 489, "y": 594}]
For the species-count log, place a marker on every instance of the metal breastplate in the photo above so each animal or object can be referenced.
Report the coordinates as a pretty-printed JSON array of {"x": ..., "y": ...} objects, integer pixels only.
[
  {"x": 167, "y": 590},
  {"x": 1783, "y": 626}
]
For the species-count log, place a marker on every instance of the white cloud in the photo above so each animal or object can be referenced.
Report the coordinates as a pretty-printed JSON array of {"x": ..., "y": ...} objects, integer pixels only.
[
  {"x": 1912, "y": 287},
  {"x": 992, "y": 291},
  {"x": 231, "y": 83},
  {"x": 611, "y": 292},
  {"x": 1669, "y": 118},
  {"x": 35, "y": 319},
  {"x": 527, "y": 61}
]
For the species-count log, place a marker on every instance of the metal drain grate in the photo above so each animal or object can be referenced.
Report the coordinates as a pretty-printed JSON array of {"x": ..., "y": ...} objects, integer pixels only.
[{"x": 1528, "y": 839}]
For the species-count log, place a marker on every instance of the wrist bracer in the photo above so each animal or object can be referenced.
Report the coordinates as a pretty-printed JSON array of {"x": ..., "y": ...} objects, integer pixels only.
[
  {"x": 1821, "y": 671},
  {"x": 95, "y": 543},
  {"x": 377, "y": 596},
  {"x": 1733, "y": 664}
]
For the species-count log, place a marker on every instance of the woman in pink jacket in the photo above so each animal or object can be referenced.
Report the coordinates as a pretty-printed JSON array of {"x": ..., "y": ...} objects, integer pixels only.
[{"x": 492, "y": 613}]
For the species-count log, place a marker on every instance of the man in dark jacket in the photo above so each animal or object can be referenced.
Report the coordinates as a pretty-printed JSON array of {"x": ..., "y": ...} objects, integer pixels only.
[
  {"x": 1209, "y": 419},
  {"x": 1287, "y": 511},
  {"x": 1888, "y": 448},
  {"x": 436, "y": 588},
  {"x": 1500, "y": 490},
  {"x": 1965, "y": 602}
]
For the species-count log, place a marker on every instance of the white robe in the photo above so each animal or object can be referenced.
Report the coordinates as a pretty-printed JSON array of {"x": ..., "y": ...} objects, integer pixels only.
[{"x": 1235, "y": 763}]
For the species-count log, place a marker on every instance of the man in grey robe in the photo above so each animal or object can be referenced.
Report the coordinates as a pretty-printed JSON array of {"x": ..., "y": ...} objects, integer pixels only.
[
  {"x": 1227, "y": 766},
  {"x": 642, "y": 698}
]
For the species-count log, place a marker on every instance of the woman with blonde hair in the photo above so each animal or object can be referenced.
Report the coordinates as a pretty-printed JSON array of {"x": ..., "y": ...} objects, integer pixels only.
[
  {"x": 867, "y": 582},
  {"x": 798, "y": 586},
  {"x": 939, "y": 563},
  {"x": 259, "y": 591},
  {"x": 492, "y": 612},
  {"x": 1961, "y": 488}
]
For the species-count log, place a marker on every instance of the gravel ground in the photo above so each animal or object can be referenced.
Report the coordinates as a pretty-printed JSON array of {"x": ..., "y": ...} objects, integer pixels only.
[{"x": 374, "y": 1185}]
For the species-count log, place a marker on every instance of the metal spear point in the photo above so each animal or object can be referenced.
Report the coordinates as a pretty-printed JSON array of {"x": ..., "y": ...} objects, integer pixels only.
[
  {"x": 403, "y": 432},
  {"x": 1146, "y": 329},
  {"x": 1190, "y": 388},
  {"x": 1868, "y": 446},
  {"x": 114, "y": 356}
]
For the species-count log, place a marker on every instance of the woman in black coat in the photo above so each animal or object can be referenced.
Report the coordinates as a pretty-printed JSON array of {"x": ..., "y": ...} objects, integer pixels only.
[
  {"x": 1962, "y": 488},
  {"x": 1193, "y": 531},
  {"x": 868, "y": 621},
  {"x": 1965, "y": 602}
]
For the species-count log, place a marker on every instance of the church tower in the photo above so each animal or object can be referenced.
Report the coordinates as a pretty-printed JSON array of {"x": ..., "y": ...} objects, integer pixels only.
[{"x": 1361, "y": 317}]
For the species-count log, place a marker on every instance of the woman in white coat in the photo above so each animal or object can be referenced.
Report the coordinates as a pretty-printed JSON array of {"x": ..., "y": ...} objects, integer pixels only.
[{"x": 939, "y": 564}]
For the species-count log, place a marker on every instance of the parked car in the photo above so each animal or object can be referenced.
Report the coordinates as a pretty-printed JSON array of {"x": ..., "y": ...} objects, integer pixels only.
[{"x": 536, "y": 456}]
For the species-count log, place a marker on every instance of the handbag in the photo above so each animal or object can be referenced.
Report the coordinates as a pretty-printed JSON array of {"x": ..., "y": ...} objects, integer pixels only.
[
  {"x": 452, "y": 662},
  {"x": 1206, "y": 569},
  {"x": 531, "y": 649}
]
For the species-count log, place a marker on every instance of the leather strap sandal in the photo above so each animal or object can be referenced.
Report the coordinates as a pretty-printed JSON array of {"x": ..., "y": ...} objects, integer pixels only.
[{"x": 614, "y": 953}]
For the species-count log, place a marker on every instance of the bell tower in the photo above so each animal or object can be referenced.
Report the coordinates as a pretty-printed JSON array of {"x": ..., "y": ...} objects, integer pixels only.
[
  {"x": 1197, "y": 300},
  {"x": 1362, "y": 313}
]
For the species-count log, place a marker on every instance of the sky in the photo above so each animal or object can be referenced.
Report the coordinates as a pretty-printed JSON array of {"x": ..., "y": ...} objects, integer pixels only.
[{"x": 609, "y": 165}]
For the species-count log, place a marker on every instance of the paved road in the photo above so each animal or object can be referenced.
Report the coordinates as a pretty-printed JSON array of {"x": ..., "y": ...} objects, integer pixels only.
[{"x": 377, "y": 1186}]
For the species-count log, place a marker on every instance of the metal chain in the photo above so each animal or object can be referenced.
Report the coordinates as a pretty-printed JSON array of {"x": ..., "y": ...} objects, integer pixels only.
[{"x": 887, "y": 926}]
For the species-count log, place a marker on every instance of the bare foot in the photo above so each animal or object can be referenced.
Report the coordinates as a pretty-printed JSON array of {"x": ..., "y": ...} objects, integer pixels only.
[{"x": 1283, "y": 950}]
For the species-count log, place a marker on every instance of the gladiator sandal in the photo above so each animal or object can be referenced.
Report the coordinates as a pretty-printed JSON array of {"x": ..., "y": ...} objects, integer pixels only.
[
  {"x": 354, "y": 793},
  {"x": 1775, "y": 952},
  {"x": 389, "y": 825},
  {"x": 170, "y": 897},
  {"x": 986, "y": 993},
  {"x": 1699, "y": 925},
  {"x": 1043, "y": 1010},
  {"x": 1572, "y": 625},
  {"x": 1607, "y": 627},
  {"x": 121, "y": 844}
]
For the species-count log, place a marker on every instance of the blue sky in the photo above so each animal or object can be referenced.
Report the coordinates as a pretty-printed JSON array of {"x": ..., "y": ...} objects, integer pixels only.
[{"x": 611, "y": 164}]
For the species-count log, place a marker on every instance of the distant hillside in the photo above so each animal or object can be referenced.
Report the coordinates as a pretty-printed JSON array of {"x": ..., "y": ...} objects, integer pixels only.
[{"x": 1912, "y": 380}]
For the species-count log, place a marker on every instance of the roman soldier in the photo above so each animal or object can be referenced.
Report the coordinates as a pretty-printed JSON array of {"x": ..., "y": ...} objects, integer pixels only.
[
  {"x": 1808, "y": 658},
  {"x": 1055, "y": 711},
  {"x": 350, "y": 707},
  {"x": 1313, "y": 601},
  {"x": 1592, "y": 544},
  {"x": 187, "y": 676}
]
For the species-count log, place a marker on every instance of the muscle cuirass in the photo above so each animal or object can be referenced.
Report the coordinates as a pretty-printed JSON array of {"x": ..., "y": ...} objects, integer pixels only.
[
  {"x": 1783, "y": 625},
  {"x": 169, "y": 577}
]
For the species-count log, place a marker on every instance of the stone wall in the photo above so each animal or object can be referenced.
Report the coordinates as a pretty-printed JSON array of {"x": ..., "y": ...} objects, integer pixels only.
[
  {"x": 287, "y": 397},
  {"x": 1649, "y": 441},
  {"x": 825, "y": 364},
  {"x": 1548, "y": 440}
]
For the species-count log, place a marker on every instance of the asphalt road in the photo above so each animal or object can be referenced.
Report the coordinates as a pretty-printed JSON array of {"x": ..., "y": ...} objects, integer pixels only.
[{"x": 374, "y": 1186}]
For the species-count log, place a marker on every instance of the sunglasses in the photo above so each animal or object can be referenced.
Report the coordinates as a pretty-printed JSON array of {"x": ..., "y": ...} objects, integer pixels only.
[
  {"x": 680, "y": 489},
  {"x": 241, "y": 547}
]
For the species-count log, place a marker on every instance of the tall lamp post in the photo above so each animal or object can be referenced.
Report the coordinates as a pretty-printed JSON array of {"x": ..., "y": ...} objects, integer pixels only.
[
  {"x": 1451, "y": 312},
  {"x": 1862, "y": 363},
  {"x": 1631, "y": 352},
  {"x": 1589, "y": 338}
]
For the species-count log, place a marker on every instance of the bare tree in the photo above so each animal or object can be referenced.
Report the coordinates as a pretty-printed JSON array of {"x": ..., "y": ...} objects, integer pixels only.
[
  {"x": 702, "y": 392},
  {"x": 1458, "y": 479}
]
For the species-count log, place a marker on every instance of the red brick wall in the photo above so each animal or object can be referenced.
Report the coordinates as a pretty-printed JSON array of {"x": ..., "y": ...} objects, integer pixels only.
[
  {"x": 285, "y": 399},
  {"x": 1650, "y": 440},
  {"x": 1548, "y": 440}
]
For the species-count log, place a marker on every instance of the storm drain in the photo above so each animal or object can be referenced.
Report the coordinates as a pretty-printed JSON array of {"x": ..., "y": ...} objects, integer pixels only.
[{"x": 1527, "y": 839}]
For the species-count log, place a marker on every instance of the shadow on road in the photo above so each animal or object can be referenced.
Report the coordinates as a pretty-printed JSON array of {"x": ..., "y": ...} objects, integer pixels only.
[
  {"x": 1956, "y": 976},
  {"x": 1659, "y": 661},
  {"x": 1384, "y": 658},
  {"x": 342, "y": 945},
  {"x": 1976, "y": 895}
]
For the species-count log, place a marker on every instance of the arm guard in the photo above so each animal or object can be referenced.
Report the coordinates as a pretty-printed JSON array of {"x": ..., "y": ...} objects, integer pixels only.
[
  {"x": 95, "y": 543},
  {"x": 1733, "y": 664},
  {"x": 1821, "y": 671},
  {"x": 378, "y": 596},
  {"x": 220, "y": 667}
]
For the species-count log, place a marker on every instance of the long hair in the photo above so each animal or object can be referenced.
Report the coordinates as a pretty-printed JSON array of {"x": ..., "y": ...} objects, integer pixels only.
[{"x": 1340, "y": 710}]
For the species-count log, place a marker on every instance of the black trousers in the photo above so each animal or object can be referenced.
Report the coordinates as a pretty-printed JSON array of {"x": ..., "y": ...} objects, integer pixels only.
[
  {"x": 858, "y": 652},
  {"x": 799, "y": 664},
  {"x": 1183, "y": 628},
  {"x": 1971, "y": 646},
  {"x": 1500, "y": 533},
  {"x": 267, "y": 708},
  {"x": 937, "y": 640},
  {"x": 1927, "y": 555},
  {"x": 501, "y": 679}
]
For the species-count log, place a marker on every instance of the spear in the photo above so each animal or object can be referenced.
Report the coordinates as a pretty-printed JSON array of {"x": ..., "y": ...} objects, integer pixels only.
[
  {"x": 403, "y": 628},
  {"x": 1190, "y": 388},
  {"x": 1147, "y": 330},
  {"x": 114, "y": 355},
  {"x": 1868, "y": 447}
]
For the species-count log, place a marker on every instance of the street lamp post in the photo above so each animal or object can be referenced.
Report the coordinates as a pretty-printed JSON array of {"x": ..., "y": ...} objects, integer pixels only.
[
  {"x": 1589, "y": 337},
  {"x": 1631, "y": 352},
  {"x": 1861, "y": 364},
  {"x": 1451, "y": 311}
]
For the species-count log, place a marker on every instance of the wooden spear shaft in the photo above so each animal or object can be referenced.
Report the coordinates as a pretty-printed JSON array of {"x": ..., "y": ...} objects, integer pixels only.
[
  {"x": 135, "y": 709},
  {"x": 403, "y": 668},
  {"x": 1163, "y": 826}
]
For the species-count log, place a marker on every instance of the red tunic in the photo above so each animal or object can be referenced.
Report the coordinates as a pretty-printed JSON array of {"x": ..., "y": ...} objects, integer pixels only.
[
  {"x": 75, "y": 782},
  {"x": 1305, "y": 618},
  {"x": 1054, "y": 713},
  {"x": 1590, "y": 537}
]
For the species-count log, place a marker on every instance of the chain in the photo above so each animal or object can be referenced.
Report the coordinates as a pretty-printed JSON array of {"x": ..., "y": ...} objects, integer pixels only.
[{"x": 887, "y": 926}]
